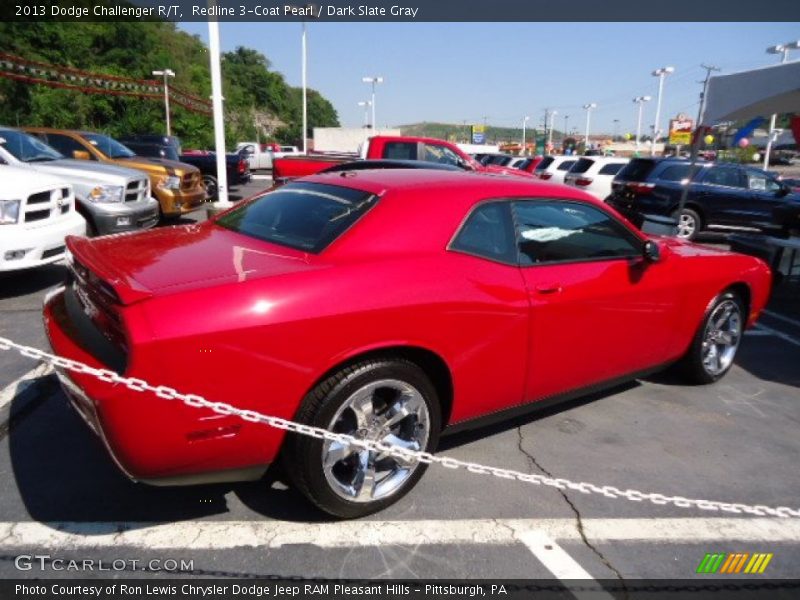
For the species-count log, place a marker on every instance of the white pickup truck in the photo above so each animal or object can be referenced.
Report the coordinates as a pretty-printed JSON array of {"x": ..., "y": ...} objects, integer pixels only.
[
  {"x": 37, "y": 212},
  {"x": 258, "y": 158}
]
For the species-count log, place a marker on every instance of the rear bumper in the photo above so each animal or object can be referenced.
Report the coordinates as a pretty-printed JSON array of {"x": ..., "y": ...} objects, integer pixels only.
[
  {"x": 41, "y": 245},
  {"x": 157, "y": 441}
]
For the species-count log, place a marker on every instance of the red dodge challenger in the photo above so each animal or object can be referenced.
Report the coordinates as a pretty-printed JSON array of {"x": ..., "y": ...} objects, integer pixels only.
[{"x": 390, "y": 305}]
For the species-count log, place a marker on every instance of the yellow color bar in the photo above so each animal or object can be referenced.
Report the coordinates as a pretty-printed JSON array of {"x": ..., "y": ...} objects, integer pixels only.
[
  {"x": 764, "y": 564},
  {"x": 753, "y": 564}
]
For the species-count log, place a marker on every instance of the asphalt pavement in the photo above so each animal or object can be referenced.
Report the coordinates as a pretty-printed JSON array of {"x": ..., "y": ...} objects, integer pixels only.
[{"x": 735, "y": 441}]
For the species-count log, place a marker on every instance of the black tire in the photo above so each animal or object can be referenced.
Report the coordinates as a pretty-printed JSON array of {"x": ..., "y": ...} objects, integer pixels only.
[
  {"x": 303, "y": 456},
  {"x": 694, "y": 367},
  {"x": 692, "y": 216},
  {"x": 211, "y": 186}
]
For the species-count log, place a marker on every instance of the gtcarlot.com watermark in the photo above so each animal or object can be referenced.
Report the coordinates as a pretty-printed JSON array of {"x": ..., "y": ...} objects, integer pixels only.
[{"x": 47, "y": 562}]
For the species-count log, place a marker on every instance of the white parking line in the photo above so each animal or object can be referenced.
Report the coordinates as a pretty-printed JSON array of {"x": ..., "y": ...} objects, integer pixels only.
[
  {"x": 16, "y": 387},
  {"x": 774, "y": 332},
  {"x": 220, "y": 535},
  {"x": 784, "y": 318},
  {"x": 262, "y": 177}
]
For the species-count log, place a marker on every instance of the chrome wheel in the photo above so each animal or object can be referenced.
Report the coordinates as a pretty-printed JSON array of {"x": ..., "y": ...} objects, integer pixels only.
[
  {"x": 687, "y": 225},
  {"x": 721, "y": 337},
  {"x": 387, "y": 410}
]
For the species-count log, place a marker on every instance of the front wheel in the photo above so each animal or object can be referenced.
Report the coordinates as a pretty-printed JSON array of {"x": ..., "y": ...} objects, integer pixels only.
[
  {"x": 211, "y": 187},
  {"x": 689, "y": 223},
  {"x": 716, "y": 342},
  {"x": 388, "y": 400}
]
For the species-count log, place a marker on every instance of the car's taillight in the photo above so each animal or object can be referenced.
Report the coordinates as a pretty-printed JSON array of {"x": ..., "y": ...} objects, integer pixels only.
[
  {"x": 641, "y": 188},
  {"x": 242, "y": 166},
  {"x": 583, "y": 181},
  {"x": 545, "y": 175}
]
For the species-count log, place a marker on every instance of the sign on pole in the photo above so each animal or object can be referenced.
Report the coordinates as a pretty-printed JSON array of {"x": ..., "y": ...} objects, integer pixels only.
[
  {"x": 478, "y": 134},
  {"x": 680, "y": 131}
]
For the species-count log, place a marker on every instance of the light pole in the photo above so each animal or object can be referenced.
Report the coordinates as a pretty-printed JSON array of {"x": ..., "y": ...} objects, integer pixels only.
[
  {"x": 661, "y": 74},
  {"x": 365, "y": 105},
  {"x": 783, "y": 50},
  {"x": 552, "y": 124},
  {"x": 374, "y": 81},
  {"x": 616, "y": 130},
  {"x": 588, "y": 108},
  {"x": 219, "y": 121},
  {"x": 524, "y": 121},
  {"x": 640, "y": 100},
  {"x": 165, "y": 73},
  {"x": 304, "y": 57},
  {"x": 566, "y": 131}
]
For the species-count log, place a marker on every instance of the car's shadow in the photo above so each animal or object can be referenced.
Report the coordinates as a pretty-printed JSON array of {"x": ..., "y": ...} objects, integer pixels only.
[
  {"x": 65, "y": 475},
  {"x": 31, "y": 281}
]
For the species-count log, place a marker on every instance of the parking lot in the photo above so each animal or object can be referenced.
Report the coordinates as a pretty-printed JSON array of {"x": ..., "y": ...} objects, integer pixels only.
[{"x": 735, "y": 441}]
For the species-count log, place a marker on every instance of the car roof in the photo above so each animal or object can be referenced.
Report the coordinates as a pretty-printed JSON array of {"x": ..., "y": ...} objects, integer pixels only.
[
  {"x": 428, "y": 204},
  {"x": 471, "y": 184}
]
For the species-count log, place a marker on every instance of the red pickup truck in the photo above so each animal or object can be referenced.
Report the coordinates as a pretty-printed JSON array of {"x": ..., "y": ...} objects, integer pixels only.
[{"x": 392, "y": 148}]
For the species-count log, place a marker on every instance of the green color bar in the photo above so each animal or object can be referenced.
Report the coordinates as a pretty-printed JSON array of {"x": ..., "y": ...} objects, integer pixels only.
[
  {"x": 715, "y": 567},
  {"x": 703, "y": 564}
]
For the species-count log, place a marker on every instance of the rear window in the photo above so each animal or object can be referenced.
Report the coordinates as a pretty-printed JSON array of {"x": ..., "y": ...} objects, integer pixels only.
[
  {"x": 546, "y": 162},
  {"x": 638, "y": 169},
  {"x": 581, "y": 166},
  {"x": 303, "y": 216},
  {"x": 566, "y": 165},
  {"x": 400, "y": 150},
  {"x": 611, "y": 169}
]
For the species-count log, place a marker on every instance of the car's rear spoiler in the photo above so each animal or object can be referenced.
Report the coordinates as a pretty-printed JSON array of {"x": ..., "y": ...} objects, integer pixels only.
[{"x": 127, "y": 289}]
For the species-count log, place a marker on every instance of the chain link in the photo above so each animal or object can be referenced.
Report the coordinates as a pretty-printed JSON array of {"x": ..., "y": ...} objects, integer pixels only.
[{"x": 403, "y": 454}]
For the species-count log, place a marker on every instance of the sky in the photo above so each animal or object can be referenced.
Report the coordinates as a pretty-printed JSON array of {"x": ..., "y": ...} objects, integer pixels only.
[{"x": 456, "y": 72}]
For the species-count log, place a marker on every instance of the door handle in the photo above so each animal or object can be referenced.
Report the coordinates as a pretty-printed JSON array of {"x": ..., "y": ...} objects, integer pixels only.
[{"x": 548, "y": 288}]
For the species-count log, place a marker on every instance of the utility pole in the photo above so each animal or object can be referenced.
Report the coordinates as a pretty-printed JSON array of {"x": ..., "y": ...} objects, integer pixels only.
[
  {"x": 695, "y": 145},
  {"x": 166, "y": 73}
]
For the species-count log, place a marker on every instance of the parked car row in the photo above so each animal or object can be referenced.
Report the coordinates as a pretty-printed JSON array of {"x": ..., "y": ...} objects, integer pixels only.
[
  {"x": 720, "y": 196},
  {"x": 63, "y": 182},
  {"x": 169, "y": 147}
]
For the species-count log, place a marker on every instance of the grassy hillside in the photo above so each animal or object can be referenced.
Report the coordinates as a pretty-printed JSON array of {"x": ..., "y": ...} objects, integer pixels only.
[{"x": 253, "y": 91}]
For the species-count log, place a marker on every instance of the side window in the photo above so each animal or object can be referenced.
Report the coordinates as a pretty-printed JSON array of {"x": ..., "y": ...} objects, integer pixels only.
[
  {"x": 726, "y": 176},
  {"x": 440, "y": 154},
  {"x": 488, "y": 233},
  {"x": 65, "y": 145},
  {"x": 611, "y": 169},
  {"x": 675, "y": 173},
  {"x": 761, "y": 182},
  {"x": 400, "y": 150},
  {"x": 558, "y": 231}
]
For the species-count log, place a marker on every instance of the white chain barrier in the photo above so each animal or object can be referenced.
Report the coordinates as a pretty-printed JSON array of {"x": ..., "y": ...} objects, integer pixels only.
[{"x": 403, "y": 454}]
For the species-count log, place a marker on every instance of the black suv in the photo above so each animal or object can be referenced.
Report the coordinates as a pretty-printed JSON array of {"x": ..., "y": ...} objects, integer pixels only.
[{"x": 721, "y": 196}]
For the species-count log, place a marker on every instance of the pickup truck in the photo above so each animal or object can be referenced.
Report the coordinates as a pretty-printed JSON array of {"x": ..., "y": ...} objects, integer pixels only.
[
  {"x": 153, "y": 146},
  {"x": 262, "y": 156},
  {"x": 112, "y": 199},
  {"x": 178, "y": 187},
  {"x": 391, "y": 148},
  {"x": 36, "y": 214}
]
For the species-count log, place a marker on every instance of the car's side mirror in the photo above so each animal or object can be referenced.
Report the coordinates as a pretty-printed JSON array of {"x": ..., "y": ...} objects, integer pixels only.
[
  {"x": 651, "y": 252},
  {"x": 81, "y": 155},
  {"x": 783, "y": 191}
]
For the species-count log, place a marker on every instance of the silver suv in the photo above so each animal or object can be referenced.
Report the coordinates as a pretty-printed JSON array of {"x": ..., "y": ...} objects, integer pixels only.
[{"x": 112, "y": 199}]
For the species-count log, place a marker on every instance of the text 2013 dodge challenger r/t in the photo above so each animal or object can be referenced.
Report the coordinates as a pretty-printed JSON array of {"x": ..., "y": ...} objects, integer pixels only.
[{"x": 385, "y": 304}]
